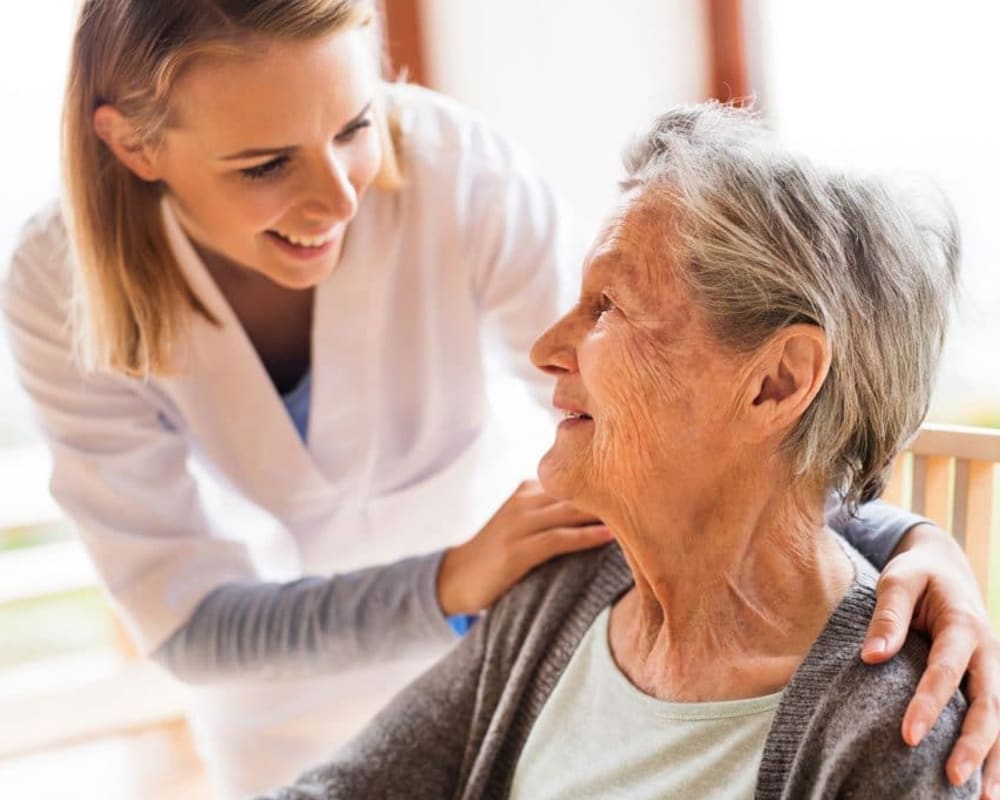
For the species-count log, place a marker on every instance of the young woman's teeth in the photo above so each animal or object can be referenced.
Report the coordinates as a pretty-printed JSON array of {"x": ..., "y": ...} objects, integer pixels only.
[{"x": 306, "y": 241}]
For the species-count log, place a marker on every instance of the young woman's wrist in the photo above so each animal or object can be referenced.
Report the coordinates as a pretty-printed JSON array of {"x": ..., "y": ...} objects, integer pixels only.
[{"x": 451, "y": 582}]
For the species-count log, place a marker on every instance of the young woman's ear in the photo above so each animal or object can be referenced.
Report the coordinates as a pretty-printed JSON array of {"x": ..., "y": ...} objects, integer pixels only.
[
  {"x": 794, "y": 366},
  {"x": 119, "y": 135}
]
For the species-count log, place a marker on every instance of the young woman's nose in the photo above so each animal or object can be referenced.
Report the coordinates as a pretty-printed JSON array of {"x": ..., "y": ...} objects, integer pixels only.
[
  {"x": 554, "y": 352},
  {"x": 330, "y": 191}
]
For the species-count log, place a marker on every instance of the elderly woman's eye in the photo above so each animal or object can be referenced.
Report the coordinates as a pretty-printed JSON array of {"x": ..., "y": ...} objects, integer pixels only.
[{"x": 605, "y": 304}]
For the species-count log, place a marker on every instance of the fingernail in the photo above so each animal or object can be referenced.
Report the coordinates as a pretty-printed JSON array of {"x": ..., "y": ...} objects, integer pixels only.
[
  {"x": 963, "y": 771},
  {"x": 874, "y": 647},
  {"x": 993, "y": 791},
  {"x": 917, "y": 732}
]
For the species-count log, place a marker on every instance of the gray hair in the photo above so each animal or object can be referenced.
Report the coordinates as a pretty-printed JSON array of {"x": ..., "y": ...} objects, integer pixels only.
[{"x": 769, "y": 239}]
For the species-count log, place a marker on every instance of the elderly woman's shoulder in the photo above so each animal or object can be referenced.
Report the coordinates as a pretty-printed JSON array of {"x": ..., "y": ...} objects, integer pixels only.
[
  {"x": 598, "y": 571},
  {"x": 562, "y": 595},
  {"x": 849, "y": 716},
  {"x": 867, "y": 706}
]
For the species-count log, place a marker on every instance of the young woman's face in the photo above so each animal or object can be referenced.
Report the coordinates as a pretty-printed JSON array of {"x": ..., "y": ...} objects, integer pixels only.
[{"x": 267, "y": 157}]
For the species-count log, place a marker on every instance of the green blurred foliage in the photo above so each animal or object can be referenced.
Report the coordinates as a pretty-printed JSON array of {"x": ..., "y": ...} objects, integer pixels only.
[
  {"x": 36, "y": 534},
  {"x": 54, "y": 625}
]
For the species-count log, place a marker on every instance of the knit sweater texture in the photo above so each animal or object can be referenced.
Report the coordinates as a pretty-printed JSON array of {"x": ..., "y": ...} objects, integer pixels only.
[{"x": 458, "y": 730}]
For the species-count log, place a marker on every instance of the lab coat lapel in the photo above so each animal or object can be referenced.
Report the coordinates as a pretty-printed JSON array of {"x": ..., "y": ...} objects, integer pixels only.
[
  {"x": 253, "y": 441},
  {"x": 347, "y": 337}
]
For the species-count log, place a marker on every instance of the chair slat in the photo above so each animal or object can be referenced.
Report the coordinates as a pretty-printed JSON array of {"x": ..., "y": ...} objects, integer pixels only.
[
  {"x": 979, "y": 520},
  {"x": 893, "y": 492},
  {"x": 960, "y": 505},
  {"x": 918, "y": 483},
  {"x": 937, "y": 490}
]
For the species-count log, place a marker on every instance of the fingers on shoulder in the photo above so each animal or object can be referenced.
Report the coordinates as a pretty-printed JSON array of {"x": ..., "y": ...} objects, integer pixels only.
[{"x": 557, "y": 541}]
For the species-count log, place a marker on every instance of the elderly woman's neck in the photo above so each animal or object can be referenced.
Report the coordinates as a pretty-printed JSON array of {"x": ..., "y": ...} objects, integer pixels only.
[{"x": 728, "y": 597}]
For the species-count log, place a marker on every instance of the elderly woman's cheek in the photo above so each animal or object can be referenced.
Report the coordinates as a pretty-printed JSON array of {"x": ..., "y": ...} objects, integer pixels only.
[{"x": 630, "y": 443}]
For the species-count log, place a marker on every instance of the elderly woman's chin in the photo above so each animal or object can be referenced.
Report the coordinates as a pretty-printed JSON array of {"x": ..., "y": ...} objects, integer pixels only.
[
  {"x": 563, "y": 473},
  {"x": 551, "y": 475}
]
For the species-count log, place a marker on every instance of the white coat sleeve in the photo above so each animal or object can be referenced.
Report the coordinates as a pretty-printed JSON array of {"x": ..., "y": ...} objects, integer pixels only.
[
  {"x": 122, "y": 477},
  {"x": 117, "y": 471},
  {"x": 526, "y": 258}
]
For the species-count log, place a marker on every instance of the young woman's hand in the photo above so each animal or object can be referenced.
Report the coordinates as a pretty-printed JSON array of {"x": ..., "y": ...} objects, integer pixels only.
[{"x": 530, "y": 528}]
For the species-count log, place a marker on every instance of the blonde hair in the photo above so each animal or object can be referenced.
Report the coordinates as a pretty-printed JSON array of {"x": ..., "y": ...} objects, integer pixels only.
[{"x": 131, "y": 298}]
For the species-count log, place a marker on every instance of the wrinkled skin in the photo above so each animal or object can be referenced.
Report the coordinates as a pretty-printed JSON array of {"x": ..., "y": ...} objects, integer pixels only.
[{"x": 642, "y": 362}]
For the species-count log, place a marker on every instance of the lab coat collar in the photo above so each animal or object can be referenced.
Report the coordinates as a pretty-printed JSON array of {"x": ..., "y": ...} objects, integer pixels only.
[{"x": 228, "y": 397}]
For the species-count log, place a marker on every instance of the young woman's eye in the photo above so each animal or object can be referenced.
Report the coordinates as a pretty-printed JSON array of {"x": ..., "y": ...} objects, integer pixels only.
[
  {"x": 348, "y": 134},
  {"x": 265, "y": 170}
]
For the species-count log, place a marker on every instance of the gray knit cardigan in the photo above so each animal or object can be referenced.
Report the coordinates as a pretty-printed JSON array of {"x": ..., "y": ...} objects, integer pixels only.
[{"x": 458, "y": 730}]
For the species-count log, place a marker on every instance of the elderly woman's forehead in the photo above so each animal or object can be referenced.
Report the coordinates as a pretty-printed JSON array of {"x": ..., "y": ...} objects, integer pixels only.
[
  {"x": 635, "y": 231},
  {"x": 643, "y": 209}
]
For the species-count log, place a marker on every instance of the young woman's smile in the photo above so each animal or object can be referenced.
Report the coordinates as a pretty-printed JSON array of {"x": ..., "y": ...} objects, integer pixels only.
[{"x": 269, "y": 156}]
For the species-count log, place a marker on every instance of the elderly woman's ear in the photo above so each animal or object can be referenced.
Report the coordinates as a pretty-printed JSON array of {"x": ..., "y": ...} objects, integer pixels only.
[{"x": 790, "y": 371}]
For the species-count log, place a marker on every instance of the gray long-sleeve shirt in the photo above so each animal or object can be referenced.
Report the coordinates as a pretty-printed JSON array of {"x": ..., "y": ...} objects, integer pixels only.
[
  {"x": 320, "y": 625},
  {"x": 458, "y": 731}
]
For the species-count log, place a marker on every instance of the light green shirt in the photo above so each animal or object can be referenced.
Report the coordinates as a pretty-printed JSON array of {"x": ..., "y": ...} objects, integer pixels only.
[{"x": 598, "y": 736}]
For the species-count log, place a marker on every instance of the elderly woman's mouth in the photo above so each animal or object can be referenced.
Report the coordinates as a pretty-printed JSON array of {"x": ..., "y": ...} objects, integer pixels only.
[
  {"x": 569, "y": 405},
  {"x": 574, "y": 418}
]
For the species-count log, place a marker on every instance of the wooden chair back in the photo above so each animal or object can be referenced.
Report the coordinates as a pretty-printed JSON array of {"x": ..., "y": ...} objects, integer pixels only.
[{"x": 949, "y": 474}]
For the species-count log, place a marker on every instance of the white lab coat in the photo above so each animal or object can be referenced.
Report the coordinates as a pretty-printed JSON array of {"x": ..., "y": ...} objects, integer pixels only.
[{"x": 182, "y": 483}]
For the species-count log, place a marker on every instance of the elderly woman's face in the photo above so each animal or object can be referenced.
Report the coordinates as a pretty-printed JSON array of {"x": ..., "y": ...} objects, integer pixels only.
[{"x": 647, "y": 392}]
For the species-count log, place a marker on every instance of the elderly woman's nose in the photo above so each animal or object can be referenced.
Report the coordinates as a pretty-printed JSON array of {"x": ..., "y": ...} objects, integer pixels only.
[{"x": 553, "y": 351}]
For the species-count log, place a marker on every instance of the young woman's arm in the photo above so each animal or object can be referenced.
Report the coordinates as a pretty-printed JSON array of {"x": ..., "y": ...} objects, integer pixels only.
[
  {"x": 119, "y": 470},
  {"x": 194, "y": 599},
  {"x": 876, "y": 530},
  {"x": 326, "y": 624}
]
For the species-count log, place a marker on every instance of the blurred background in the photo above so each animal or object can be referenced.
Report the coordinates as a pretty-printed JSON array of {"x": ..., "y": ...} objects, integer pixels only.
[{"x": 901, "y": 86}]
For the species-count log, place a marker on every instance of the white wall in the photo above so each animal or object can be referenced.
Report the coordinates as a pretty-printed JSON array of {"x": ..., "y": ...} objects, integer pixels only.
[
  {"x": 570, "y": 80},
  {"x": 34, "y": 48}
]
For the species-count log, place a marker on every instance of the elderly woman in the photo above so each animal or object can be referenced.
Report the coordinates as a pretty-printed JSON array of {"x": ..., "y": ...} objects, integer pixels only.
[{"x": 752, "y": 334}]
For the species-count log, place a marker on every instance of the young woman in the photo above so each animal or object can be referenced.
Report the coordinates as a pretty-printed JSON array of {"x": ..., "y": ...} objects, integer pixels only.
[{"x": 252, "y": 336}]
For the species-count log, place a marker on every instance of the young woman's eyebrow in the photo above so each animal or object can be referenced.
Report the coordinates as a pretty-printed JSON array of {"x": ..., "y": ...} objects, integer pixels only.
[{"x": 259, "y": 152}]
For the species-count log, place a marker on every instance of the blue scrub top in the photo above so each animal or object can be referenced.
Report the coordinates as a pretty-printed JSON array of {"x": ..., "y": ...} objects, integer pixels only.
[{"x": 297, "y": 404}]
